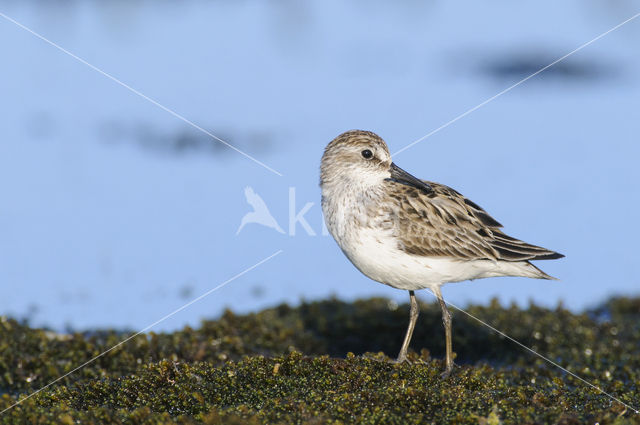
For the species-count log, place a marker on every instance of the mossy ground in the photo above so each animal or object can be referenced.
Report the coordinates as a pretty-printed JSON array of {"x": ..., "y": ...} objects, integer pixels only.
[{"x": 292, "y": 365}]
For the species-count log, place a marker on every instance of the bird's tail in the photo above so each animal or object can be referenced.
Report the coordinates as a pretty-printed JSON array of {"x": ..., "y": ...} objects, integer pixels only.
[{"x": 529, "y": 270}]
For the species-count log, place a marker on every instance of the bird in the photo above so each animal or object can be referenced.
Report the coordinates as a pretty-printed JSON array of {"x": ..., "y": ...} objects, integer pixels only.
[
  {"x": 413, "y": 234},
  {"x": 260, "y": 213}
]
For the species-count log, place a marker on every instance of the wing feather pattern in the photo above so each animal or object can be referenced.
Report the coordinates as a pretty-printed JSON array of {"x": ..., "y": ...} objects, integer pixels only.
[{"x": 443, "y": 223}]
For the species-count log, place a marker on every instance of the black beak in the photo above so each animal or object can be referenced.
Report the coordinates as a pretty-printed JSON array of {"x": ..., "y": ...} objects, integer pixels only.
[{"x": 398, "y": 175}]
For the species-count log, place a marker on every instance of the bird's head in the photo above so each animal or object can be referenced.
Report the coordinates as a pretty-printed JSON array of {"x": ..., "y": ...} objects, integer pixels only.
[
  {"x": 355, "y": 157},
  {"x": 361, "y": 159}
]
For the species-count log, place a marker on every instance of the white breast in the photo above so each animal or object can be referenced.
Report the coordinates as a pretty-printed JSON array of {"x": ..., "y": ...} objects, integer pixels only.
[{"x": 373, "y": 249}]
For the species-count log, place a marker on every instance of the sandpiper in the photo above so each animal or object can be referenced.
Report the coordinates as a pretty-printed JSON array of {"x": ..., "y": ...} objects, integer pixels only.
[{"x": 413, "y": 234}]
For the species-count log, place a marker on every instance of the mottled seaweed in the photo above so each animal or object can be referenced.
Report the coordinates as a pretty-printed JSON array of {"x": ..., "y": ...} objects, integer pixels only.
[{"x": 328, "y": 362}]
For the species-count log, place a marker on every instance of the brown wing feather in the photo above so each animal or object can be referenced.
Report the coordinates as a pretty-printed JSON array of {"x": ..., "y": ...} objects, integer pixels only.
[{"x": 443, "y": 223}]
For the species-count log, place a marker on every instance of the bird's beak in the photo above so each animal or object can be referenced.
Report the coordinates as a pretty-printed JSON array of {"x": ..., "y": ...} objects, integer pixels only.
[{"x": 400, "y": 176}]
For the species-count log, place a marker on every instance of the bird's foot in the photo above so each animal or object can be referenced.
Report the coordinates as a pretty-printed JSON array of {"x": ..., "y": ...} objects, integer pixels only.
[
  {"x": 448, "y": 371},
  {"x": 401, "y": 359}
]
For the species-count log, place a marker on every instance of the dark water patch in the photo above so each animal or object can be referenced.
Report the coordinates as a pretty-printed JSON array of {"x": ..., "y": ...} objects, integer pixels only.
[
  {"x": 516, "y": 66},
  {"x": 187, "y": 140}
]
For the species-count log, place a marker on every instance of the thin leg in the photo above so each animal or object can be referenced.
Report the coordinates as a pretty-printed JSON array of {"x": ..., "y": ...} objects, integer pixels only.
[
  {"x": 446, "y": 321},
  {"x": 413, "y": 317}
]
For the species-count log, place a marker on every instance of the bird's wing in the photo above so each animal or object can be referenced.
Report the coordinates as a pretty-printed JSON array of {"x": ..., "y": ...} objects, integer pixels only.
[{"x": 443, "y": 223}]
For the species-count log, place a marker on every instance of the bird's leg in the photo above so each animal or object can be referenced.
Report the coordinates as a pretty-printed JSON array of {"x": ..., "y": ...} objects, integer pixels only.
[
  {"x": 446, "y": 321},
  {"x": 413, "y": 316}
]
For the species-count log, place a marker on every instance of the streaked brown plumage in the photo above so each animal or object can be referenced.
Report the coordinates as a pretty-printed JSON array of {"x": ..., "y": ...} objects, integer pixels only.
[{"x": 446, "y": 224}]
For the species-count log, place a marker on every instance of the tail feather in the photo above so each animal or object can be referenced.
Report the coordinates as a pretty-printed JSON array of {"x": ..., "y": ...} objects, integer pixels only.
[{"x": 534, "y": 272}]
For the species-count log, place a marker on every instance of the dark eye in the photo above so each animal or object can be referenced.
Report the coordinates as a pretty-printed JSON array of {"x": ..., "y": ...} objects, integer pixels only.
[{"x": 367, "y": 154}]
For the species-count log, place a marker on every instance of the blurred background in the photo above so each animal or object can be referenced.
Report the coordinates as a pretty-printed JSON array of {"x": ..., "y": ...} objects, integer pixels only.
[{"x": 113, "y": 212}]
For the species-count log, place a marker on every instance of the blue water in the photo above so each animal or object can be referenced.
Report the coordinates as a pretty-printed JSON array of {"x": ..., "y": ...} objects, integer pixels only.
[{"x": 113, "y": 212}]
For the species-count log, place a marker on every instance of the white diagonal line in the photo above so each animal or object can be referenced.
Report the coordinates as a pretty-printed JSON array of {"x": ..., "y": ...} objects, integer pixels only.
[
  {"x": 541, "y": 356},
  {"x": 448, "y": 123},
  {"x": 146, "y": 328},
  {"x": 145, "y": 97}
]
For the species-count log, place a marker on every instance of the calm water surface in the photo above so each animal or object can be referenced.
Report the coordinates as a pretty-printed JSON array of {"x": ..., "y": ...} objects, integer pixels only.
[{"x": 113, "y": 212}]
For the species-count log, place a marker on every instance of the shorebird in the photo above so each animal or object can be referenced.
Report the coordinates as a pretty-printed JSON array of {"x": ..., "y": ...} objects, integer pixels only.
[{"x": 410, "y": 233}]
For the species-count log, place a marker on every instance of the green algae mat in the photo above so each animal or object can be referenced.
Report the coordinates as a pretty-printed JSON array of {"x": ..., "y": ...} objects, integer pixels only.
[{"x": 328, "y": 362}]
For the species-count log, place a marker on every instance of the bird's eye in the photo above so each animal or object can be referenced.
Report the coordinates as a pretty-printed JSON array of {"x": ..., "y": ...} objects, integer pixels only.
[{"x": 367, "y": 154}]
